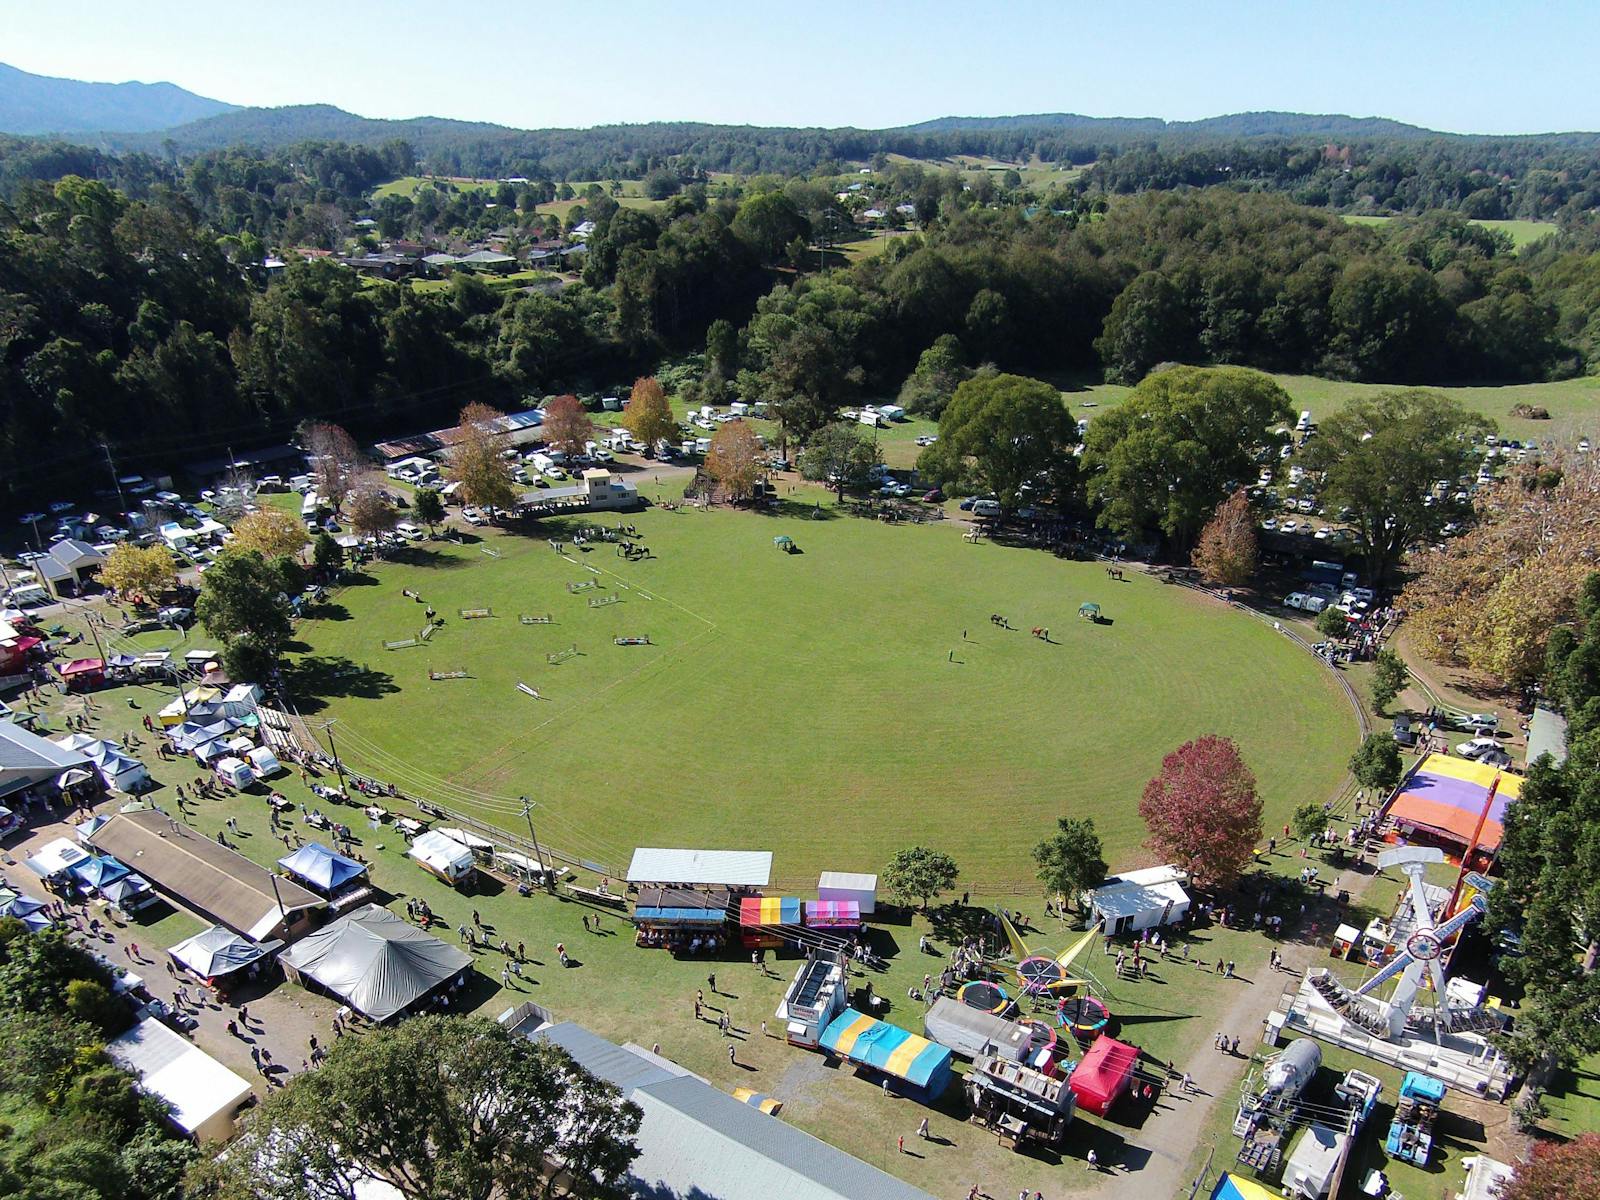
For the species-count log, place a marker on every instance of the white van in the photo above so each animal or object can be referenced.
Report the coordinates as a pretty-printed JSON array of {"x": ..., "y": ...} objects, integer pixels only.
[
  {"x": 410, "y": 532},
  {"x": 1304, "y": 423},
  {"x": 986, "y": 509}
]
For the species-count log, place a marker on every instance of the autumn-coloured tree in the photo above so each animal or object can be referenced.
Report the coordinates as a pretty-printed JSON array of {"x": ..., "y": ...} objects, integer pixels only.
[
  {"x": 566, "y": 426},
  {"x": 334, "y": 457},
  {"x": 648, "y": 416},
  {"x": 1490, "y": 598},
  {"x": 1557, "y": 1171},
  {"x": 138, "y": 573},
  {"x": 370, "y": 512},
  {"x": 1227, "y": 551},
  {"x": 1203, "y": 812},
  {"x": 271, "y": 531},
  {"x": 734, "y": 460},
  {"x": 475, "y": 461}
]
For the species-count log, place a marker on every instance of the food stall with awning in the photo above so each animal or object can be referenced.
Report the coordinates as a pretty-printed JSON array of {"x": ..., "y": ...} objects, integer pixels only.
[
  {"x": 833, "y": 914},
  {"x": 681, "y": 918},
  {"x": 762, "y": 920}
]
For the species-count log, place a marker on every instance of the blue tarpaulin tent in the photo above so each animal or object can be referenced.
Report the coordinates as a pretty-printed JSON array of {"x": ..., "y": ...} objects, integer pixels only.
[
  {"x": 97, "y": 872},
  {"x": 324, "y": 869}
]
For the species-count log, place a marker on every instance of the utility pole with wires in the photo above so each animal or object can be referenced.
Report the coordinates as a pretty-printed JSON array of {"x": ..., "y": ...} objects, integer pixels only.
[
  {"x": 338, "y": 767},
  {"x": 116, "y": 480},
  {"x": 544, "y": 868}
]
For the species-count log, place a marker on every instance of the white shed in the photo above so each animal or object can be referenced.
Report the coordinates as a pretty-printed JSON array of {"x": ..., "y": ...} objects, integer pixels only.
[
  {"x": 1138, "y": 900},
  {"x": 847, "y": 885},
  {"x": 203, "y": 1095}
]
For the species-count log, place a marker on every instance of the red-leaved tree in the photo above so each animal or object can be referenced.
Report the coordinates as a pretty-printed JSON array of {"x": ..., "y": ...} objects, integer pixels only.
[
  {"x": 1557, "y": 1171},
  {"x": 566, "y": 425},
  {"x": 1202, "y": 810}
]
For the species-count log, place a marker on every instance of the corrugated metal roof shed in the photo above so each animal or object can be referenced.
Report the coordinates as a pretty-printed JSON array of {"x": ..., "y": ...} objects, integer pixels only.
[
  {"x": 731, "y": 868},
  {"x": 698, "y": 1141}
]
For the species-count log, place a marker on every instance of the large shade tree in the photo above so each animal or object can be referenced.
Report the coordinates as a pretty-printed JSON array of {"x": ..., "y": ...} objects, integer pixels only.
[
  {"x": 920, "y": 873},
  {"x": 1164, "y": 459},
  {"x": 734, "y": 460},
  {"x": 438, "y": 1108},
  {"x": 1228, "y": 550},
  {"x": 1202, "y": 810},
  {"x": 1380, "y": 458},
  {"x": 1002, "y": 433},
  {"x": 648, "y": 415},
  {"x": 842, "y": 456},
  {"x": 475, "y": 461},
  {"x": 1071, "y": 861}
]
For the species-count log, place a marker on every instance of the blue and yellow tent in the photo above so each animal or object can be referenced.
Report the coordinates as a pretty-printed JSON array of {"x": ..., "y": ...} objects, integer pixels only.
[
  {"x": 922, "y": 1065},
  {"x": 1236, "y": 1187}
]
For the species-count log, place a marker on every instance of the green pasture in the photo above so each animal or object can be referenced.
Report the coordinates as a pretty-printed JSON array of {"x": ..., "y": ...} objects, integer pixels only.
[
  {"x": 822, "y": 704},
  {"x": 1523, "y": 233},
  {"x": 1573, "y": 404}
]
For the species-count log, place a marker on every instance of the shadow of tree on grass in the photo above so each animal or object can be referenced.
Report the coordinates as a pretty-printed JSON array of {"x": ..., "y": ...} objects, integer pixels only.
[{"x": 317, "y": 678}]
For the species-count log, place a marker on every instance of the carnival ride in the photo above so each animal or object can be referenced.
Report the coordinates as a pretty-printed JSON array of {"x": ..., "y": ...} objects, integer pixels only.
[
  {"x": 1041, "y": 974},
  {"x": 1423, "y": 949}
]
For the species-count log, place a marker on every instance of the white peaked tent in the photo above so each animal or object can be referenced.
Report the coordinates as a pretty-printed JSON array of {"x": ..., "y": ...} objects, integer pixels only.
[{"x": 375, "y": 962}]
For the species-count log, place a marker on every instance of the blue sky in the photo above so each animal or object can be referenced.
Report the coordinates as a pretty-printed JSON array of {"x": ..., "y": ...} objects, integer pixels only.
[{"x": 1507, "y": 67}]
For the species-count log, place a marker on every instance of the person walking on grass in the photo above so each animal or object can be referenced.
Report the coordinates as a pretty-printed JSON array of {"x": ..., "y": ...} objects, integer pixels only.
[
  {"x": 732, "y": 1062},
  {"x": 922, "y": 1129},
  {"x": 711, "y": 982}
]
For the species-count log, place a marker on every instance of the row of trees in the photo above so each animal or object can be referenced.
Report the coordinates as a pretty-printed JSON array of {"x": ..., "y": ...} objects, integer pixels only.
[{"x": 130, "y": 315}]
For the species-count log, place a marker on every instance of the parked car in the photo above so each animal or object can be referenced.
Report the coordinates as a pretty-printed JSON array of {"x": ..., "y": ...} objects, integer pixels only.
[
  {"x": 1404, "y": 734},
  {"x": 410, "y": 532},
  {"x": 474, "y": 515},
  {"x": 933, "y": 496},
  {"x": 1295, "y": 600},
  {"x": 1477, "y": 747},
  {"x": 177, "y": 616}
]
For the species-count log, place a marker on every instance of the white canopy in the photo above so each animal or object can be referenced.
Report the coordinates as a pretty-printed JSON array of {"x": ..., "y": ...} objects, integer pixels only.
[
  {"x": 202, "y": 1093},
  {"x": 727, "y": 868}
]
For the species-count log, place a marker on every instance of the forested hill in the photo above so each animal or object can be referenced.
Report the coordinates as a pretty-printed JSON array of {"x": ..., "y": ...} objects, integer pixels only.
[
  {"x": 44, "y": 104},
  {"x": 1234, "y": 125}
]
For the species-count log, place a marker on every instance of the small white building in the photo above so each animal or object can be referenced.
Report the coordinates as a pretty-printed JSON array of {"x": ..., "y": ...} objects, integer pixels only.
[
  {"x": 847, "y": 885},
  {"x": 203, "y": 1095},
  {"x": 1138, "y": 900}
]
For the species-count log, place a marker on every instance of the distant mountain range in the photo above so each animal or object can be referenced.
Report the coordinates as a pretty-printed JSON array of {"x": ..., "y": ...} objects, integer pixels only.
[
  {"x": 35, "y": 104},
  {"x": 148, "y": 117}
]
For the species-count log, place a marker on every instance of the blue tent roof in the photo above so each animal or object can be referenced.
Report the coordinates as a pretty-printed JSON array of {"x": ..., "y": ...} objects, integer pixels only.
[
  {"x": 97, "y": 872},
  {"x": 321, "y": 867}
]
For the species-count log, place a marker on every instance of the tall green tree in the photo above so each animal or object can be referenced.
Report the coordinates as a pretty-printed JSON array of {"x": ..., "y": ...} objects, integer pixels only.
[
  {"x": 1168, "y": 456},
  {"x": 920, "y": 873},
  {"x": 767, "y": 223},
  {"x": 244, "y": 597},
  {"x": 1389, "y": 678},
  {"x": 1380, "y": 457},
  {"x": 842, "y": 456},
  {"x": 1002, "y": 433},
  {"x": 1071, "y": 861},
  {"x": 438, "y": 1108},
  {"x": 1376, "y": 763}
]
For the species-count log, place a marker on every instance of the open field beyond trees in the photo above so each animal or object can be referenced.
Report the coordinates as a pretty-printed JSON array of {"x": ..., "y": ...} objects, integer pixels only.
[{"x": 808, "y": 703}]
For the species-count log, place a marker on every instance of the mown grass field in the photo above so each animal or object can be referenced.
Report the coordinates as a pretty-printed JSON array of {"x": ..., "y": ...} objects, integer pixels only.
[
  {"x": 1574, "y": 404},
  {"x": 809, "y": 703},
  {"x": 1522, "y": 233}
]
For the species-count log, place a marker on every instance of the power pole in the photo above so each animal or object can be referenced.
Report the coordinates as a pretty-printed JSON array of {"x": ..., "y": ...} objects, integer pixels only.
[
  {"x": 116, "y": 480},
  {"x": 327, "y": 727},
  {"x": 549, "y": 877}
]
